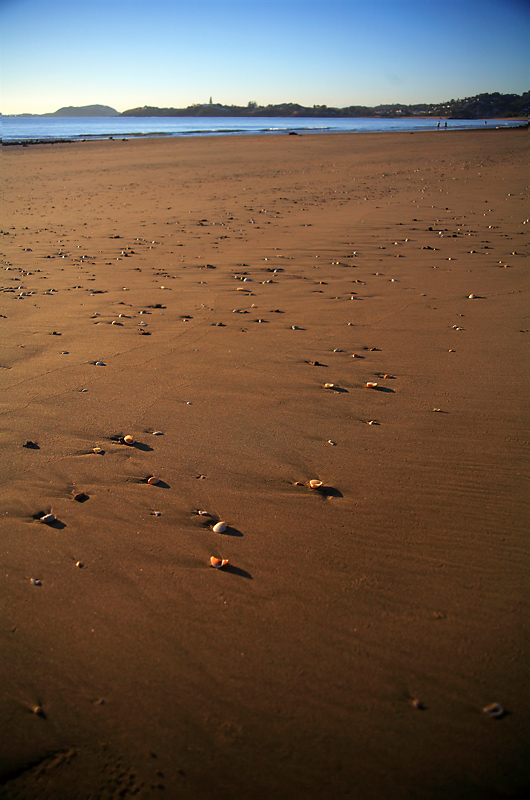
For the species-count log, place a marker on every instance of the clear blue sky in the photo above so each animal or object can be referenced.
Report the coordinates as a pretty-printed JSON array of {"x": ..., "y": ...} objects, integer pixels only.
[{"x": 128, "y": 53}]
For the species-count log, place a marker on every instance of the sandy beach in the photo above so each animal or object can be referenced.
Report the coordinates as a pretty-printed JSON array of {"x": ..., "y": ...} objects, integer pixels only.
[{"x": 258, "y": 313}]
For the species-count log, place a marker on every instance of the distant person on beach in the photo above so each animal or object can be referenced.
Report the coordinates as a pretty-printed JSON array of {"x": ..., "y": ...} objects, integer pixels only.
[
  {"x": 445, "y": 126},
  {"x": 438, "y": 124}
]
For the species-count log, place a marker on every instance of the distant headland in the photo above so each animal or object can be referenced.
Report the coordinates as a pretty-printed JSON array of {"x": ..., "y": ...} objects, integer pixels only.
[{"x": 480, "y": 106}]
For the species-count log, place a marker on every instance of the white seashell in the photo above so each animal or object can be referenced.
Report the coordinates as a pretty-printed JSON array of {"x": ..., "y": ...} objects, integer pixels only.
[
  {"x": 371, "y": 385},
  {"x": 331, "y": 442},
  {"x": 158, "y": 433},
  {"x": 156, "y": 513},
  {"x": 100, "y": 363},
  {"x": 47, "y": 519},
  {"x": 220, "y": 527},
  {"x": 79, "y": 564},
  {"x": 153, "y": 480},
  {"x": 36, "y": 582},
  {"x": 315, "y": 484},
  {"x": 472, "y": 297},
  {"x": 329, "y": 386},
  {"x": 128, "y": 439}
]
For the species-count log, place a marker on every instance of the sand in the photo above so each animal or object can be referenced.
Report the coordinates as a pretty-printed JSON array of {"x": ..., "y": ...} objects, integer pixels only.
[{"x": 351, "y": 644}]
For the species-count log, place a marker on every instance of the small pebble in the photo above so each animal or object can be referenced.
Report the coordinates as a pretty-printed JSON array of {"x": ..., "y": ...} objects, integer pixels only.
[
  {"x": 494, "y": 710},
  {"x": 81, "y": 497}
]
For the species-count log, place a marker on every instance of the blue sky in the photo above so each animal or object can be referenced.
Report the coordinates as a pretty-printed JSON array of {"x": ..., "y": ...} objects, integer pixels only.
[{"x": 128, "y": 53}]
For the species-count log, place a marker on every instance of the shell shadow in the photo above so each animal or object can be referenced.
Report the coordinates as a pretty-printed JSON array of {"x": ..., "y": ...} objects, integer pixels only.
[
  {"x": 383, "y": 389},
  {"x": 231, "y": 532},
  {"x": 31, "y": 445},
  {"x": 238, "y": 571},
  {"x": 328, "y": 491},
  {"x": 141, "y": 446},
  {"x": 56, "y": 524}
]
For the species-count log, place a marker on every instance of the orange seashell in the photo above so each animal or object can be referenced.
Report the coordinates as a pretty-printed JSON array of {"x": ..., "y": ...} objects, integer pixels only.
[
  {"x": 370, "y": 385},
  {"x": 315, "y": 484},
  {"x": 218, "y": 563},
  {"x": 128, "y": 439},
  {"x": 152, "y": 481}
]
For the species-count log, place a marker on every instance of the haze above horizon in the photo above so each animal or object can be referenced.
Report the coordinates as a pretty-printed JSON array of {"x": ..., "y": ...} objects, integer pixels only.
[{"x": 131, "y": 53}]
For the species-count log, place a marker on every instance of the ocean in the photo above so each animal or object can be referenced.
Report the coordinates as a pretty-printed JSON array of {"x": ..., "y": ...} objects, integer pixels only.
[{"x": 25, "y": 129}]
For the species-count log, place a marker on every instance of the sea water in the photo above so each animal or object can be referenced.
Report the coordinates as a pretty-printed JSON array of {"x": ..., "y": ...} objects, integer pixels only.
[{"x": 79, "y": 128}]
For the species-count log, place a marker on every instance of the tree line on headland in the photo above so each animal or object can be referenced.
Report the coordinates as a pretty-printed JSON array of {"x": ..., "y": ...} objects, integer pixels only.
[{"x": 481, "y": 106}]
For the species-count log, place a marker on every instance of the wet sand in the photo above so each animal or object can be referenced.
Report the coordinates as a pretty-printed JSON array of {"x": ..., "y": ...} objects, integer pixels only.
[{"x": 197, "y": 295}]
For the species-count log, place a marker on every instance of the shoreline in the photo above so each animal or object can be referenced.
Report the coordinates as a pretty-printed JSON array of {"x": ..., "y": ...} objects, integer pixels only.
[
  {"x": 205, "y": 295},
  {"x": 199, "y": 134},
  {"x": 294, "y": 130}
]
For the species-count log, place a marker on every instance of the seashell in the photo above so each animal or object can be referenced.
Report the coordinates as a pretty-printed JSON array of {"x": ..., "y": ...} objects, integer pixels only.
[
  {"x": 98, "y": 451},
  {"x": 35, "y": 582},
  {"x": 79, "y": 564},
  {"x": 153, "y": 480},
  {"x": 472, "y": 297},
  {"x": 315, "y": 484},
  {"x": 100, "y": 364},
  {"x": 330, "y": 441},
  {"x": 437, "y": 409},
  {"x": 220, "y": 527},
  {"x": 371, "y": 385},
  {"x": 329, "y": 386},
  {"x": 156, "y": 513},
  {"x": 128, "y": 439},
  {"x": 218, "y": 563},
  {"x": 417, "y": 704},
  {"x": 47, "y": 519},
  {"x": 157, "y": 433},
  {"x": 295, "y": 328},
  {"x": 38, "y": 710},
  {"x": 494, "y": 710}
]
